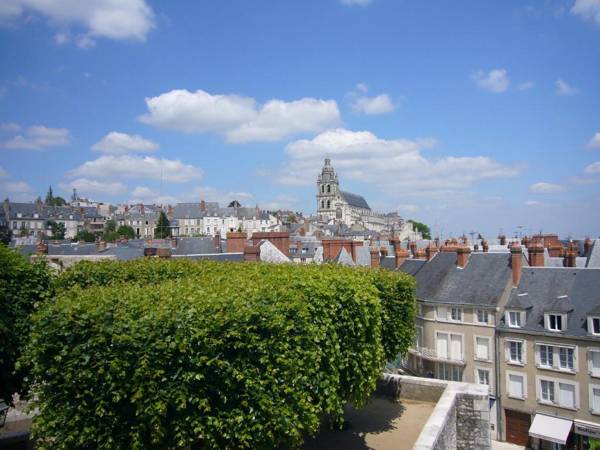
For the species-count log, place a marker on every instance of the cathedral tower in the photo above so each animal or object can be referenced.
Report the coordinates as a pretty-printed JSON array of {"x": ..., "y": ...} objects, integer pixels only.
[{"x": 328, "y": 191}]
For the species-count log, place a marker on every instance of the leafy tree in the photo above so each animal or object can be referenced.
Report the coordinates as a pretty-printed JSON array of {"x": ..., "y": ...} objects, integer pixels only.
[
  {"x": 58, "y": 229},
  {"x": 5, "y": 234},
  {"x": 421, "y": 228},
  {"x": 59, "y": 201},
  {"x": 110, "y": 226},
  {"x": 162, "y": 229},
  {"x": 126, "y": 231},
  {"x": 22, "y": 285},
  {"x": 85, "y": 235}
]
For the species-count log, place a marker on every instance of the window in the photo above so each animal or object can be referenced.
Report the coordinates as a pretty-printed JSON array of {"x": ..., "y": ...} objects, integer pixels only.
[
  {"x": 450, "y": 372},
  {"x": 419, "y": 337},
  {"x": 515, "y": 352},
  {"x": 594, "y": 362},
  {"x": 555, "y": 322},
  {"x": 456, "y": 314},
  {"x": 565, "y": 358},
  {"x": 449, "y": 346},
  {"x": 482, "y": 348},
  {"x": 514, "y": 319},
  {"x": 482, "y": 316},
  {"x": 557, "y": 392},
  {"x": 547, "y": 391},
  {"x": 328, "y": 204},
  {"x": 594, "y": 325},
  {"x": 483, "y": 376},
  {"x": 594, "y": 399},
  {"x": 516, "y": 385},
  {"x": 546, "y": 355},
  {"x": 328, "y": 188},
  {"x": 322, "y": 188},
  {"x": 322, "y": 204}
]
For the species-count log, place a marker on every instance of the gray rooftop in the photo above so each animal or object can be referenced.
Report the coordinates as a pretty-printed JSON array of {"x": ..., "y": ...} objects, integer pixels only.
[{"x": 355, "y": 200}]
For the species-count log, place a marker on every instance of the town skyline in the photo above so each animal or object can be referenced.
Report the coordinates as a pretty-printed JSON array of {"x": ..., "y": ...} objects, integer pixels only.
[{"x": 184, "y": 102}]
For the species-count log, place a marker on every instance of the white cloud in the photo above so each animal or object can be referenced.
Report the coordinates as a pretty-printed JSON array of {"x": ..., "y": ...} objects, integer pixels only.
[
  {"x": 533, "y": 203},
  {"x": 525, "y": 85},
  {"x": 122, "y": 19},
  {"x": 564, "y": 88},
  {"x": 281, "y": 201},
  {"x": 238, "y": 118},
  {"x": 495, "y": 80},
  {"x": 587, "y": 10},
  {"x": 37, "y": 137},
  {"x": 144, "y": 194},
  {"x": 93, "y": 187},
  {"x": 407, "y": 208},
  {"x": 595, "y": 141},
  {"x": 18, "y": 191},
  {"x": 10, "y": 127},
  {"x": 394, "y": 166},
  {"x": 355, "y": 2},
  {"x": 546, "y": 188},
  {"x": 62, "y": 38},
  {"x": 118, "y": 143},
  {"x": 129, "y": 166},
  {"x": 593, "y": 168},
  {"x": 379, "y": 104}
]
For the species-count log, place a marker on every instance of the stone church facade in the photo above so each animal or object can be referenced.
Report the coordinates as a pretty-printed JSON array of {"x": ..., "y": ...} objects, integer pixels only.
[{"x": 337, "y": 206}]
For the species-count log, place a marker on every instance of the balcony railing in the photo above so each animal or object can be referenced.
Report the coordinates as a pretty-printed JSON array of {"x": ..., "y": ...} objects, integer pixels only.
[{"x": 431, "y": 354}]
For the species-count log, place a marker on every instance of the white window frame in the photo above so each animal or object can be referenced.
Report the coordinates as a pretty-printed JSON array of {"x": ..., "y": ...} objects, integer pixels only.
[
  {"x": 485, "y": 312},
  {"x": 489, "y": 377},
  {"x": 449, "y": 343},
  {"x": 591, "y": 325},
  {"x": 563, "y": 322},
  {"x": 520, "y": 315},
  {"x": 590, "y": 362},
  {"x": 523, "y": 352},
  {"x": 475, "y": 356},
  {"x": 459, "y": 311},
  {"x": 591, "y": 388},
  {"x": 419, "y": 337},
  {"x": 523, "y": 375},
  {"x": 557, "y": 382},
  {"x": 449, "y": 367},
  {"x": 556, "y": 357}
]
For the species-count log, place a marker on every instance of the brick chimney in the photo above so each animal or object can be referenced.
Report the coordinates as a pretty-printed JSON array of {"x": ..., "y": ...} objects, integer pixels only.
[
  {"x": 202, "y": 206},
  {"x": 236, "y": 242},
  {"x": 383, "y": 253},
  {"x": 252, "y": 253},
  {"x": 587, "y": 246},
  {"x": 280, "y": 239},
  {"x": 502, "y": 239},
  {"x": 374, "y": 257},
  {"x": 400, "y": 255},
  {"x": 516, "y": 262},
  {"x": 413, "y": 248},
  {"x": 536, "y": 254},
  {"x": 396, "y": 243},
  {"x": 462, "y": 255},
  {"x": 571, "y": 255},
  {"x": 430, "y": 251},
  {"x": 485, "y": 246}
]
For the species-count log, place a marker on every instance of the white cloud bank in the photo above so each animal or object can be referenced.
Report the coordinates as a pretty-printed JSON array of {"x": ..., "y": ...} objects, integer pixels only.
[
  {"x": 89, "y": 187},
  {"x": 396, "y": 166},
  {"x": 495, "y": 80},
  {"x": 119, "y": 143},
  {"x": 595, "y": 141},
  {"x": 38, "y": 137},
  {"x": 546, "y": 188},
  {"x": 239, "y": 118},
  {"x": 563, "y": 88},
  {"x": 144, "y": 194},
  {"x": 593, "y": 168},
  {"x": 112, "y": 19},
  {"x": 135, "y": 167},
  {"x": 587, "y": 10}
]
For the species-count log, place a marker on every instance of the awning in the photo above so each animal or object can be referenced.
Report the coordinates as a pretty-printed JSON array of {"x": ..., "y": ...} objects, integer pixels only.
[
  {"x": 550, "y": 428},
  {"x": 587, "y": 428}
]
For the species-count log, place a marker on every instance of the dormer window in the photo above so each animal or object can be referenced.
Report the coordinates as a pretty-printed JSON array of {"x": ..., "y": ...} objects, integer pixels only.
[
  {"x": 594, "y": 325},
  {"x": 514, "y": 319},
  {"x": 19, "y": 215},
  {"x": 556, "y": 322}
]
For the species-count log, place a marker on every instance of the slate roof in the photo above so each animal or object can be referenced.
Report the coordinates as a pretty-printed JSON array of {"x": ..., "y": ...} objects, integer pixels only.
[
  {"x": 192, "y": 246},
  {"x": 593, "y": 259},
  {"x": 344, "y": 258},
  {"x": 412, "y": 266},
  {"x": 572, "y": 290},
  {"x": 355, "y": 200}
]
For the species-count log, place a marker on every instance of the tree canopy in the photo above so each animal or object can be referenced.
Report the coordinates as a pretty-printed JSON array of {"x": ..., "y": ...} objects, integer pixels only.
[
  {"x": 163, "y": 228},
  {"x": 421, "y": 228}
]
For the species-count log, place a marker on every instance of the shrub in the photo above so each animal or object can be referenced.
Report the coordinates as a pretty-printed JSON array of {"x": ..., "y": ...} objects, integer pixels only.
[
  {"x": 180, "y": 354},
  {"x": 22, "y": 285}
]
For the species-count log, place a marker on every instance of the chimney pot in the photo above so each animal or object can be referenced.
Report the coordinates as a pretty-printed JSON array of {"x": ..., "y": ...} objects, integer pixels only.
[
  {"x": 516, "y": 263},
  {"x": 536, "y": 254},
  {"x": 374, "y": 257},
  {"x": 462, "y": 255}
]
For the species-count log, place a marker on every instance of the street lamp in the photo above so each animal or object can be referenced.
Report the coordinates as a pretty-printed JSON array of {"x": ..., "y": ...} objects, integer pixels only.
[{"x": 3, "y": 412}]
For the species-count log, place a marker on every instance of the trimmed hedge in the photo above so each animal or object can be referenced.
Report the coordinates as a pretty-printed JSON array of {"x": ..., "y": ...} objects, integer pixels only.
[
  {"x": 180, "y": 354},
  {"x": 22, "y": 285}
]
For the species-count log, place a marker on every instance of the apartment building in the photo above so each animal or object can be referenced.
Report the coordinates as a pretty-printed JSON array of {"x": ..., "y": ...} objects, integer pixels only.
[{"x": 549, "y": 355}]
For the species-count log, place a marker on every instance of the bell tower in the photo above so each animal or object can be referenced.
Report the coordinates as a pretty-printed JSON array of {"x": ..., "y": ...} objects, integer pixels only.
[{"x": 327, "y": 192}]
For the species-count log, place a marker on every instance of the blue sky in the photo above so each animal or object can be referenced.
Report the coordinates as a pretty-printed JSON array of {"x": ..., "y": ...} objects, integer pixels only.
[{"x": 474, "y": 116}]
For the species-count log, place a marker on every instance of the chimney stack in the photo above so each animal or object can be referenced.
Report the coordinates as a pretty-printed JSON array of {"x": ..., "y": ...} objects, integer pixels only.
[
  {"x": 374, "y": 257},
  {"x": 462, "y": 255},
  {"x": 587, "y": 246},
  {"x": 252, "y": 253},
  {"x": 236, "y": 242},
  {"x": 430, "y": 251},
  {"x": 383, "y": 253},
  {"x": 502, "y": 239},
  {"x": 413, "y": 248},
  {"x": 485, "y": 246},
  {"x": 400, "y": 255},
  {"x": 536, "y": 254},
  {"x": 516, "y": 262},
  {"x": 571, "y": 255}
]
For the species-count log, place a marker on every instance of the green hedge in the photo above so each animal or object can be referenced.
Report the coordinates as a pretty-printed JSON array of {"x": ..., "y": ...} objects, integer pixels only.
[
  {"x": 22, "y": 285},
  {"x": 180, "y": 354}
]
